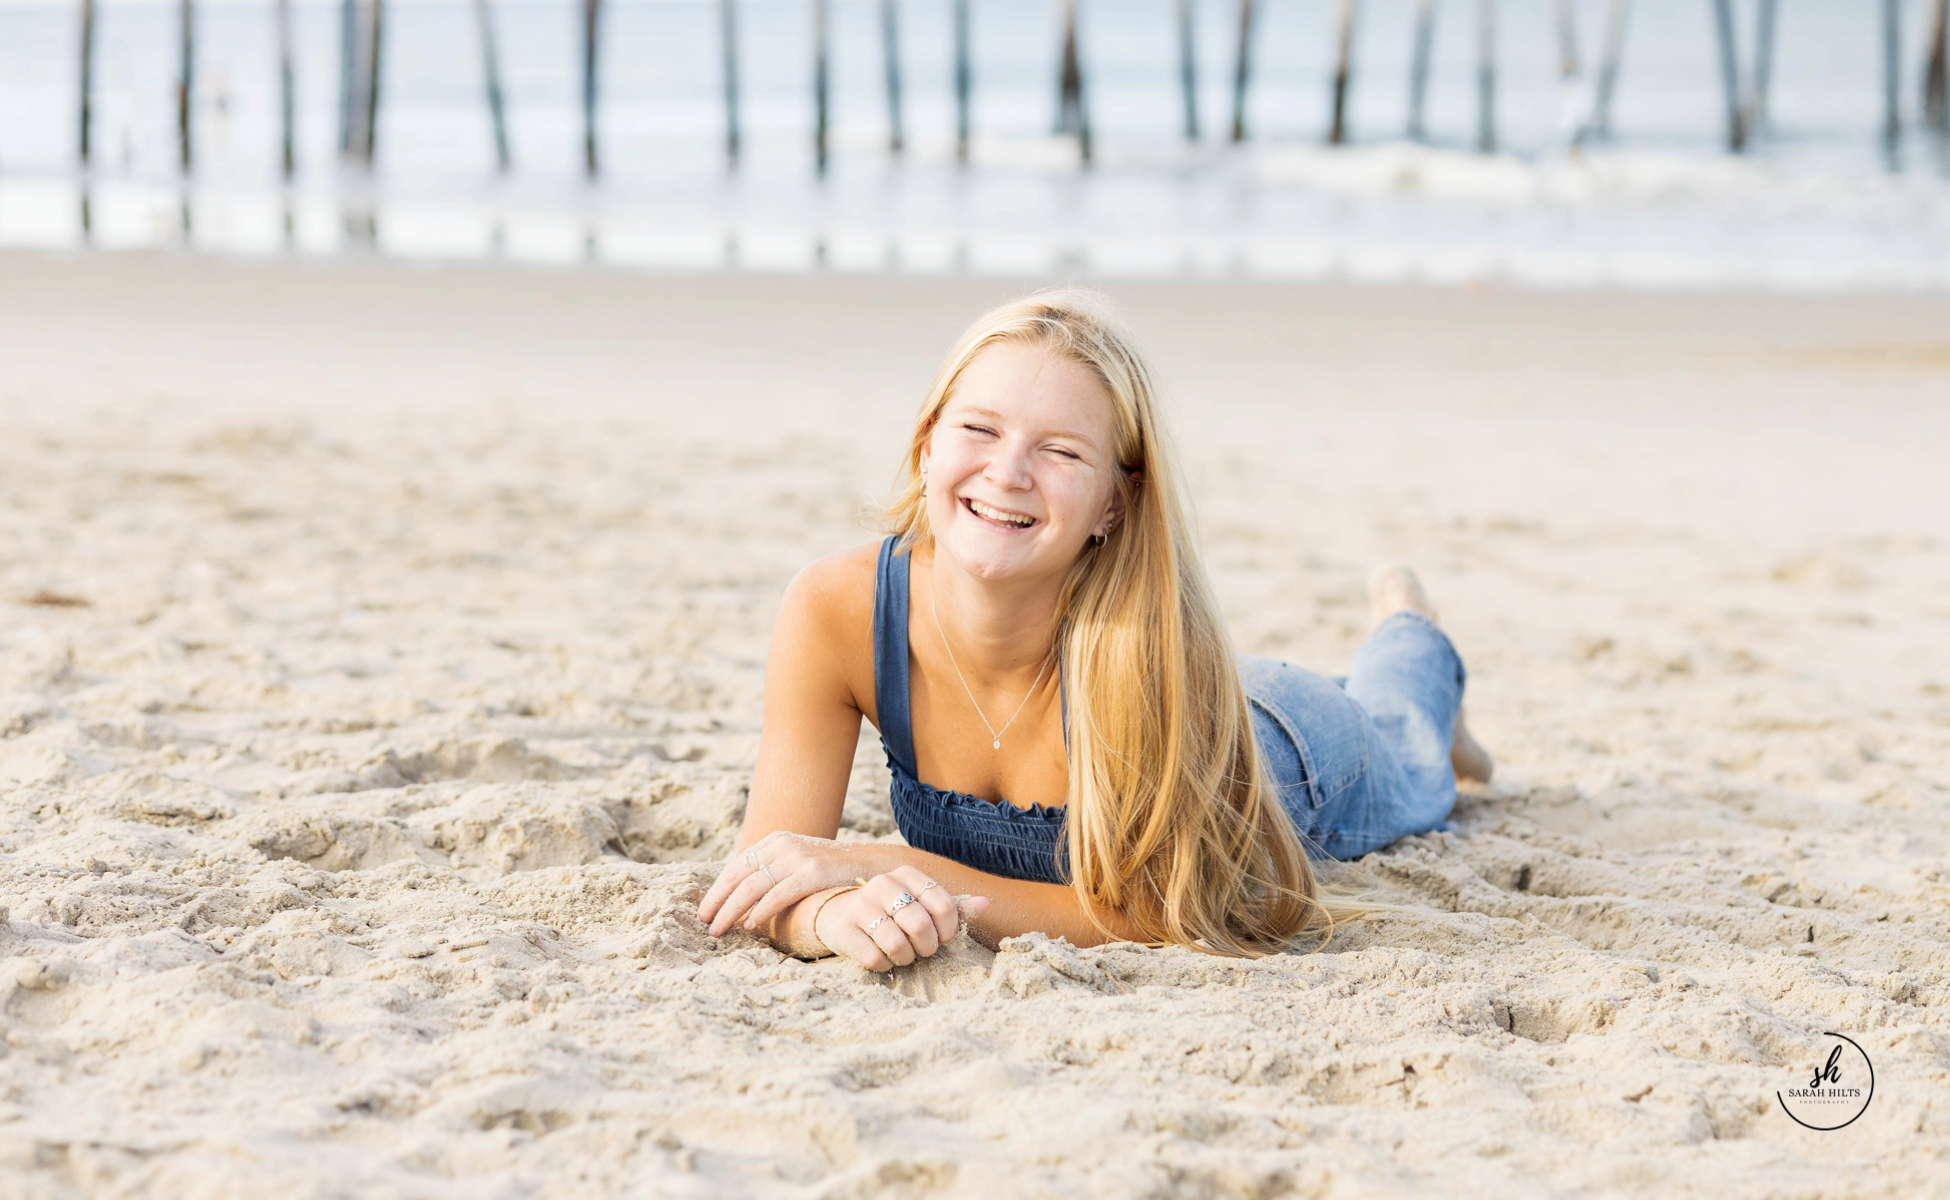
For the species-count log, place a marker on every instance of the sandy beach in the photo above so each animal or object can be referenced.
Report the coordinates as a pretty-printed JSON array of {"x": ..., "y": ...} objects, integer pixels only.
[{"x": 380, "y": 662}]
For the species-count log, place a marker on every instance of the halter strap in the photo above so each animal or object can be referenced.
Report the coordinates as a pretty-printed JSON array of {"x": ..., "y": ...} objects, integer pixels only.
[{"x": 890, "y": 655}]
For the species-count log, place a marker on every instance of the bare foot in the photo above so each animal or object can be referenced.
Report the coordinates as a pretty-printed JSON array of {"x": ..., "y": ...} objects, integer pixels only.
[
  {"x": 1395, "y": 589},
  {"x": 1467, "y": 756}
]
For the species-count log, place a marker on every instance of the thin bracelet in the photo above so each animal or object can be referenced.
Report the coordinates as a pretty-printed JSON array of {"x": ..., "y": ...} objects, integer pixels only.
[{"x": 831, "y": 896}]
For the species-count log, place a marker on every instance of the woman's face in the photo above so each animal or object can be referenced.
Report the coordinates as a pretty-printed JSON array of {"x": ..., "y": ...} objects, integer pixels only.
[{"x": 1020, "y": 465}]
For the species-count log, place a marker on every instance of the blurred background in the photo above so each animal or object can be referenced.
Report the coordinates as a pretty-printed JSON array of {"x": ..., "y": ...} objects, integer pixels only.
[{"x": 695, "y": 143}]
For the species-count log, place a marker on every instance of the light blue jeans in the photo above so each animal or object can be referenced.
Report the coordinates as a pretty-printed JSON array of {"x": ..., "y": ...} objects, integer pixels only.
[{"x": 1364, "y": 760}]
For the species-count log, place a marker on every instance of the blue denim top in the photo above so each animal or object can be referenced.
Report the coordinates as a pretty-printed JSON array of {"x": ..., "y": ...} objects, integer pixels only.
[{"x": 999, "y": 839}]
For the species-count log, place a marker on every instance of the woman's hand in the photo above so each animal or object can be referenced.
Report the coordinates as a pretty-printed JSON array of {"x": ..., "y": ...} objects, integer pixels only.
[
  {"x": 892, "y": 920},
  {"x": 775, "y": 873}
]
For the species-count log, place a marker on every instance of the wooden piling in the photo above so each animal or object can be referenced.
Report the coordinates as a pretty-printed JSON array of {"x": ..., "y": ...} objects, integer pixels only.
[
  {"x": 87, "y": 81},
  {"x": 1188, "y": 66},
  {"x": 1611, "y": 58},
  {"x": 1730, "y": 75},
  {"x": 491, "y": 77},
  {"x": 821, "y": 84},
  {"x": 287, "y": 97},
  {"x": 1757, "y": 89},
  {"x": 348, "y": 86},
  {"x": 964, "y": 80},
  {"x": 1486, "y": 76},
  {"x": 1418, "y": 71},
  {"x": 728, "y": 41},
  {"x": 1936, "y": 75},
  {"x": 359, "y": 103},
  {"x": 1569, "y": 64},
  {"x": 592, "y": 16},
  {"x": 1241, "y": 70},
  {"x": 1072, "y": 112},
  {"x": 890, "y": 46},
  {"x": 1343, "y": 69},
  {"x": 185, "y": 81},
  {"x": 1892, "y": 69},
  {"x": 372, "y": 81}
]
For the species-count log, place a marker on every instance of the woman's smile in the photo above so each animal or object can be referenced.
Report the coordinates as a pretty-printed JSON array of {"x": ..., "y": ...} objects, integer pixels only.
[{"x": 1000, "y": 517}]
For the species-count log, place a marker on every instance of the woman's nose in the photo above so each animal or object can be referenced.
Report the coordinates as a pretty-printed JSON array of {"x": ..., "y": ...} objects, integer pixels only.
[{"x": 1008, "y": 467}]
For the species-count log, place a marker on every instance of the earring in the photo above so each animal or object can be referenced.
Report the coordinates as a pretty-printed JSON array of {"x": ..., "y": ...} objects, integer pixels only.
[{"x": 1098, "y": 540}]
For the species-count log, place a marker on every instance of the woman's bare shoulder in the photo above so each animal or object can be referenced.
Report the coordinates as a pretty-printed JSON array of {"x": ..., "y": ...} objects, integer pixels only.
[{"x": 835, "y": 593}]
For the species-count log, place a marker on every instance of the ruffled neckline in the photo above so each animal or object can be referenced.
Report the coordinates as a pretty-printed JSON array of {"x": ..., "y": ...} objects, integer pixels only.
[{"x": 1008, "y": 812}]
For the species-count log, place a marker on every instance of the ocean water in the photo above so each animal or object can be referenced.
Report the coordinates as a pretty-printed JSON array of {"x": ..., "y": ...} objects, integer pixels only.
[{"x": 1820, "y": 200}]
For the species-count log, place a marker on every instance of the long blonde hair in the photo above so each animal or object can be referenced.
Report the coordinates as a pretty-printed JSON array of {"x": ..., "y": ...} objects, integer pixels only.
[{"x": 1171, "y": 816}]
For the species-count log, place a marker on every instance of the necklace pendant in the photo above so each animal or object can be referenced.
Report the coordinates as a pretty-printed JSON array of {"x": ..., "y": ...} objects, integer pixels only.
[{"x": 998, "y": 743}]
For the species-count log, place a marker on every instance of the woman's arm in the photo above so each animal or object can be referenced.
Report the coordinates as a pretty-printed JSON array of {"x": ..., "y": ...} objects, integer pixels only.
[
  {"x": 809, "y": 868},
  {"x": 818, "y": 676}
]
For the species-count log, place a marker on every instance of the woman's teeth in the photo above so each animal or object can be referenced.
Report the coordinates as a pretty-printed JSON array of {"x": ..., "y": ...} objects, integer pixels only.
[{"x": 1015, "y": 520}]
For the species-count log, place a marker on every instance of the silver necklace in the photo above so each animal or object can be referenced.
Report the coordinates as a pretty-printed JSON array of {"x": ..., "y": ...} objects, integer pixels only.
[{"x": 994, "y": 733}]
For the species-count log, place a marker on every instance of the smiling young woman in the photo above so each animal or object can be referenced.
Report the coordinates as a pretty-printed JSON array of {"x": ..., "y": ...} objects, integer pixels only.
[{"x": 1037, "y": 640}]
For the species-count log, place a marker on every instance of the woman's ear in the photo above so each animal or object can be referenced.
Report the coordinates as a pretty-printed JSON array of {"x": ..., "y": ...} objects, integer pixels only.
[{"x": 1113, "y": 516}]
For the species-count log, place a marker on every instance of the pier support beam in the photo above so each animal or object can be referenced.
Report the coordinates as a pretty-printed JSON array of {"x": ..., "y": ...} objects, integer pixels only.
[
  {"x": 364, "y": 33},
  {"x": 1241, "y": 70},
  {"x": 1730, "y": 75},
  {"x": 1188, "y": 66},
  {"x": 185, "y": 81},
  {"x": 592, "y": 29},
  {"x": 1936, "y": 75},
  {"x": 1486, "y": 76},
  {"x": 1072, "y": 109},
  {"x": 491, "y": 76},
  {"x": 890, "y": 44},
  {"x": 1343, "y": 70},
  {"x": 1418, "y": 72},
  {"x": 822, "y": 83}
]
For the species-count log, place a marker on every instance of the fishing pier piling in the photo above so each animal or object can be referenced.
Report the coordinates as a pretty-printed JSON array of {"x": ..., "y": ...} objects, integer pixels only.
[
  {"x": 287, "y": 97},
  {"x": 1072, "y": 111},
  {"x": 821, "y": 83},
  {"x": 890, "y": 50},
  {"x": 964, "y": 79},
  {"x": 1730, "y": 75},
  {"x": 1764, "y": 25},
  {"x": 728, "y": 43},
  {"x": 185, "y": 79},
  {"x": 1611, "y": 57},
  {"x": 1343, "y": 70},
  {"x": 1486, "y": 76},
  {"x": 592, "y": 17},
  {"x": 1892, "y": 69},
  {"x": 363, "y": 29},
  {"x": 491, "y": 78},
  {"x": 1241, "y": 67},
  {"x": 1418, "y": 70},
  {"x": 1188, "y": 67},
  {"x": 1936, "y": 75},
  {"x": 87, "y": 81}
]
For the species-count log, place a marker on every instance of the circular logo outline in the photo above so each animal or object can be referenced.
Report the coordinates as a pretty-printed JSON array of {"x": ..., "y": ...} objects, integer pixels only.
[{"x": 1865, "y": 1100}]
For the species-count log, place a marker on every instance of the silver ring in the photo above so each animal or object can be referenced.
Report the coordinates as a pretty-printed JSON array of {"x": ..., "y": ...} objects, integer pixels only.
[
  {"x": 901, "y": 901},
  {"x": 931, "y": 883},
  {"x": 768, "y": 872},
  {"x": 876, "y": 923},
  {"x": 751, "y": 857}
]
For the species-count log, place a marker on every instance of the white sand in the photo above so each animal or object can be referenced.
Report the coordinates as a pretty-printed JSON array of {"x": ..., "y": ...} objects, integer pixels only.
[{"x": 352, "y": 828}]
